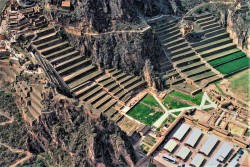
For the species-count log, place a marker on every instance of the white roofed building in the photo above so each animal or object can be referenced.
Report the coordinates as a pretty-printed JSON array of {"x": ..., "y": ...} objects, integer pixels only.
[
  {"x": 197, "y": 161},
  {"x": 223, "y": 152},
  {"x": 170, "y": 146},
  {"x": 183, "y": 153},
  {"x": 194, "y": 137},
  {"x": 180, "y": 133},
  {"x": 209, "y": 145}
]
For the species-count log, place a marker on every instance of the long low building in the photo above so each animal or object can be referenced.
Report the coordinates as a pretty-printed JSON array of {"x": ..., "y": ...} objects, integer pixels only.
[
  {"x": 180, "y": 133},
  {"x": 209, "y": 145},
  {"x": 223, "y": 152},
  {"x": 171, "y": 145},
  {"x": 197, "y": 161},
  {"x": 183, "y": 153},
  {"x": 194, "y": 137},
  {"x": 212, "y": 163}
]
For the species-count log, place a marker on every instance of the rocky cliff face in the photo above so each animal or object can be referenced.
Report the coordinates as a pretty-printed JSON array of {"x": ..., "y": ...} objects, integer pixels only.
[{"x": 126, "y": 50}]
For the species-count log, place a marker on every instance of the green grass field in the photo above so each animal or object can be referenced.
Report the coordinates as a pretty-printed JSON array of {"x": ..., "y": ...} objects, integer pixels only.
[
  {"x": 240, "y": 85},
  {"x": 172, "y": 100},
  {"x": 228, "y": 58},
  {"x": 234, "y": 66},
  {"x": 144, "y": 113}
]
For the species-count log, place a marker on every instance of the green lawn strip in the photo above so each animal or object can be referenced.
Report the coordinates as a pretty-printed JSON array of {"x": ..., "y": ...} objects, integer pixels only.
[
  {"x": 233, "y": 66},
  {"x": 176, "y": 113},
  {"x": 150, "y": 100},
  {"x": 144, "y": 114},
  {"x": 173, "y": 103},
  {"x": 241, "y": 84},
  {"x": 196, "y": 100},
  {"x": 218, "y": 87},
  {"x": 225, "y": 59}
]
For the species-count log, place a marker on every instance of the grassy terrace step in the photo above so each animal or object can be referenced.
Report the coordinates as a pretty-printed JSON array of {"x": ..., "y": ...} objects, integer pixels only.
[
  {"x": 54, "y": 48},
  {"x": 48, "y": 44},
  {"x": 204, "y": 15},
  {"x": 199, "y": 70},
  {"x": 102, "y": 102},
  {"x": 216, "y": 50},
  {"x": 45, "y": 32},
  {"x": 73, "y": 67},
  {"x": 71, "y": 77},
  {"x": 178, "y": 46},
  {"x": 120, "y": 94},
  {"x": 110, "y": 112},
  {"x": 226, "y": 59},
  {"x": 209, "y": 22},
  {"x": 163, "y": 25},
  {"x": 183, "y": 55},
  {"x": 80, "y": 87},
  {"x": 91, "y": 93},
  {"x": 46, "y": 39},
  {"x": 215, "y": 32},
  {"x": 175, "y": 41},
  {"x": 33, "y": 112},
  {"x": 181, "y": 50},
  {"x": 204, "y": 19},
  {"x": 212, "y": 29},
  {"x": 234, "y": 66},
  {"x": 191, "y": 66},
  {"x": 209, "y": 26},
  {"x": 53, "y": 56},
  {"x": 85, "y": 88},
  {"x": 88, "y": 91},
  {"x": 222, "y": 54},
  {"x": 122, "y": 75},
  {"x": 116, "y": 72},
  {"x": 173, "y": 73},
  {"x": 214, "y": 44},
  {"x": 177, "y": 81},
  {"x": 64, "y": 59},
  {"x": 123, "y": 80},
  {"x": 167, "y": 30},
  {"x": 185, "y": 60},
  {"x": 112, "y": 86},
  {"x": 83, "y": 79},
  {"x": 211, "y": 39},
  {"x": 205, "y": 75},
  {"x": 170, "y": 39},
  {"x": 107, "y": 106},
  {"x": 173, "y": 33},
  {"x": 130, "y": 82},
  {"x": 117, "y": 90},
  {"x": 107, "y": 82},
  {"x": 71, "y": 61},
  {"x": 97, "y": 97},
  {"x": 137, "y": 85}
]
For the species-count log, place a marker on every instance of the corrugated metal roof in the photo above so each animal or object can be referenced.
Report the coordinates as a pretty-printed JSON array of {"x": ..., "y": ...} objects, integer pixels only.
[
  {"x": 183, "y": 152},
  {"x": 170, "y": 146},
  {"x": 197, "y": 161},
  {"x": 180, "y": 133},
  {"x": 209, "y": 145},
  {"x": 212, "y": 163},
  {"x": 222, "y": 153},
  {"x": 194, "y": 137}
]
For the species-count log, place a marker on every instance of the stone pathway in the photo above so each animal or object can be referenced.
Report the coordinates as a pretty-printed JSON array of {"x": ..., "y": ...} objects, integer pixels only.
[{"x": 202, "y": 106}]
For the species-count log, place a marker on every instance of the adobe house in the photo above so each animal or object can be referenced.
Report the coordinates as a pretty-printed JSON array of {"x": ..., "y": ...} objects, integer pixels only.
[{"x": 66, "y": 4}]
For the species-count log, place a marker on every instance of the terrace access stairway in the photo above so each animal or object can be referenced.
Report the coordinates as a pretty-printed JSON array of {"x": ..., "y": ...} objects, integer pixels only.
[{"x": 186, "y": 62}]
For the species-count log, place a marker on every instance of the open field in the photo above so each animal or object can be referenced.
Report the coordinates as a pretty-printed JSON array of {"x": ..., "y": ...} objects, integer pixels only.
[
  {"x": 234, "y": 129},
  {"x": 234, "y": 66},
  {"x": 239, "y": 84},
  {"x": 146, "y": 111},
  {"x": 174, "y": 100}
]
